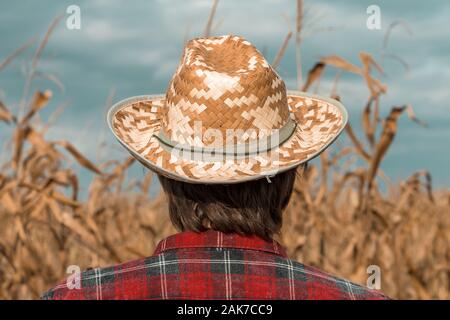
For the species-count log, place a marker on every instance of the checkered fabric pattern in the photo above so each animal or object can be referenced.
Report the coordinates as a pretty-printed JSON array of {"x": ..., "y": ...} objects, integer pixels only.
[{"x": 213, "y": 265}]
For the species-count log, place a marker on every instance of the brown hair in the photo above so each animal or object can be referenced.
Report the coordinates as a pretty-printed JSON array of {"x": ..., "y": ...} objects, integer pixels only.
[{"x": 248, "y": 208}]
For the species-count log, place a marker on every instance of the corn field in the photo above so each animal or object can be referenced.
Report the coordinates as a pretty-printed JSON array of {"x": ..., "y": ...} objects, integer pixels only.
[{"x": 338, "y": 219}]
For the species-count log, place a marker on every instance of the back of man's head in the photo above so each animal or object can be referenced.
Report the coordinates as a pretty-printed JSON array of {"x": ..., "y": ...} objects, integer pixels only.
[{"x": 249, "y": 208}]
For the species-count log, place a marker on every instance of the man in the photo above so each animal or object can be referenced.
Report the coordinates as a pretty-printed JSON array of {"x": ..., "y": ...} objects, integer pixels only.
[{"x": 226, "y": 142}]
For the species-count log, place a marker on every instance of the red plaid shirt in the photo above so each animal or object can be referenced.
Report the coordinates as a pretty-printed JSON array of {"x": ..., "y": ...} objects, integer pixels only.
[{"x": 212, "y": 265}]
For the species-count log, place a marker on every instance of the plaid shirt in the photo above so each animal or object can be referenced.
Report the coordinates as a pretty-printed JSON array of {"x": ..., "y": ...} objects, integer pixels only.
[{"x": 212, "y": 265}]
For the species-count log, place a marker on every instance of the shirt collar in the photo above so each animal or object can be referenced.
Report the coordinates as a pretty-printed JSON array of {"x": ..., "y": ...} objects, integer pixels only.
[{"x": 216, "y": 239}]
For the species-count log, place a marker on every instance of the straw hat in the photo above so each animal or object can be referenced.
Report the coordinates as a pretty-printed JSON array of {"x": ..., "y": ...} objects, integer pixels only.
[{"x": 225, "y": 118}]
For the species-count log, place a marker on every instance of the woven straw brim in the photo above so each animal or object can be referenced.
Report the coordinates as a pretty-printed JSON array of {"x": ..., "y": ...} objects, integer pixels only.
[{"x": 136, "y": 121}]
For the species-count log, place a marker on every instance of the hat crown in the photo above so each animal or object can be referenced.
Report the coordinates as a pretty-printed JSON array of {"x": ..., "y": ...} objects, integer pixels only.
[{"x": 223, "y": 91}]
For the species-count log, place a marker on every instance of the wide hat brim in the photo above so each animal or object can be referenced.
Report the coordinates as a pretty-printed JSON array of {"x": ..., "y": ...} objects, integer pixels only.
[{"x": 136, "y": 121}]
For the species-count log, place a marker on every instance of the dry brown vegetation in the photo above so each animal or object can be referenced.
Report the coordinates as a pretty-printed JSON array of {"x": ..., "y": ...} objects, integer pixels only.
[{"x": 338, "y": 219}]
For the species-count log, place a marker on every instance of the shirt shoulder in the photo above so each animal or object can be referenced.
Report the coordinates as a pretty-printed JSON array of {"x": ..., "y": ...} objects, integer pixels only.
[
  {"x": 315, "y": 284},
  {"x": 122, "y": 281}
]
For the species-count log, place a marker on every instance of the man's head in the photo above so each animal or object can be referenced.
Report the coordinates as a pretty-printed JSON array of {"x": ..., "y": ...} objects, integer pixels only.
[{"x": 249, "y": 208}]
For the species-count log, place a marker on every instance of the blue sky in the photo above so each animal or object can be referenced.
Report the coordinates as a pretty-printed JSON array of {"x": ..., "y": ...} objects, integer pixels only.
[{"x": 132, "y": 48}]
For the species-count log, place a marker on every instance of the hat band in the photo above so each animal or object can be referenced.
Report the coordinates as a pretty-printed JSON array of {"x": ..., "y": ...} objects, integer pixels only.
[{"x": 241, "y": 149}]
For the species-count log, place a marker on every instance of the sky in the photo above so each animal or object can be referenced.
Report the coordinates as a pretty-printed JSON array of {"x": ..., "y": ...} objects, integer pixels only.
[{"x": 132, "y": 48}]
